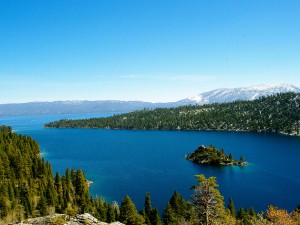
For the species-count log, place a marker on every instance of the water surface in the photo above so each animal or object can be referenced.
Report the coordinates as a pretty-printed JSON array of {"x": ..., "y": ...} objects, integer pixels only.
[{"x": 121, "y": 162}]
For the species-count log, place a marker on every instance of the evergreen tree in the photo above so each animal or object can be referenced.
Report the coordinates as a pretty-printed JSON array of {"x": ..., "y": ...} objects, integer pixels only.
[
  {"x": 148, "y": 205},
  {"x": 231, "y": 207},
  {"x": 82, "y": 191},
  {"x": 116, "y": 210},
  {"x": 241, "y": 213},
  {"x": 252, "y": 212},
  {"x": 4, "y": 206},
  {"x": 59, "y": 191},
  {"x": 101, "y": 209},
  {"x": 43, "y": 205},
  {"x": 242, "y": 159},
  {"x": 155, "y": 217},
  {"x": 68, "y": 187},
  {"x": 169, "y": 216},
  {"x": 146, "y": 218},
  {"x": 208, "y": 200},
  {"x": 230, "y": 157},
  {"x": 128, "y": 213},
  {"x": 110, "y": 214},
  {"x": 178, "y": 205}
]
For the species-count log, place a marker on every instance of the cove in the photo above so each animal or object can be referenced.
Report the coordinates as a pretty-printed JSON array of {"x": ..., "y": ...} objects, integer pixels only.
[{"x": 121, "y": 162}]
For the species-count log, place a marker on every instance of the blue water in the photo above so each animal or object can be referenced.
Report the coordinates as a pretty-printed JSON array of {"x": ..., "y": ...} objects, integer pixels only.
[{"x": 121, "y": 162}]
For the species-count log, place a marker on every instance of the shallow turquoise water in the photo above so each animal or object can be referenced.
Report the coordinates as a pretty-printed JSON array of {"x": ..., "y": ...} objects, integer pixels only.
[{"x": 121, "y": 162}]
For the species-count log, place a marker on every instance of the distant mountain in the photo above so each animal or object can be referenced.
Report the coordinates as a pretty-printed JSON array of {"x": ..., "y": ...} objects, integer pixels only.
[
  {"x": 272, "y": 114},
  {"x": 77, "y": 107},
  {"x": 245, "y": 93}
]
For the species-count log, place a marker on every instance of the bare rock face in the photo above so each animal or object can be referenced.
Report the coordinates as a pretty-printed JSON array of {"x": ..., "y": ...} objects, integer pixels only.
[
  {"x": 85, "y": 219},
  {"x": 62, "y": 219}
]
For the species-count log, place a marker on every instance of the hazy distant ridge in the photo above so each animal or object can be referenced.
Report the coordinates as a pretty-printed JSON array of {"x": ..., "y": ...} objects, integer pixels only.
[{"x": 76, "y": 107}]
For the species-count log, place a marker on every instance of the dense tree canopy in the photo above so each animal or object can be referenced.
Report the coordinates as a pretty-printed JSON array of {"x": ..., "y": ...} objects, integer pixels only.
[
  {"x": 212, "y": 156},
  {"x": 28, "y": 187},
  {"x": 279, "y": 113}
]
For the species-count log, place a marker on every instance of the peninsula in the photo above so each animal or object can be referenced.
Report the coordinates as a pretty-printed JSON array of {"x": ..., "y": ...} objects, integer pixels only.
[
  {"x": 273, "y": 114},
  {"x": 212, "y": 156}
]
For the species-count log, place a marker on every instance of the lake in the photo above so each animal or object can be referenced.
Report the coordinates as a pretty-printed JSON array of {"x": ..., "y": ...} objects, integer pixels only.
[{"x": 121, "y": 162}]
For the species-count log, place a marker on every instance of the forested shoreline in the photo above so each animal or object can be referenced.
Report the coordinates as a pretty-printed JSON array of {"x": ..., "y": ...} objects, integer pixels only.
[
  {"x": 29, "y": 189},
  {"x": 279, "y": 113}
]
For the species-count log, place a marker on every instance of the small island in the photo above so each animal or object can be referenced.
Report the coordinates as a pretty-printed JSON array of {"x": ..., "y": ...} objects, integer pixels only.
[{"x": 212, "y": 156}]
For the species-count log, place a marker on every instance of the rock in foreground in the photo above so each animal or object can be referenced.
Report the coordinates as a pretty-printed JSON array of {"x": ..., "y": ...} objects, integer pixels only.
[{"x": 62, "y": 219}]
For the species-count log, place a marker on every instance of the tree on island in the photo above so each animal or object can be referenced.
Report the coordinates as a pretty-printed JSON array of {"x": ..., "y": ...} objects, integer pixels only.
[{"x": 212, "y": 156}]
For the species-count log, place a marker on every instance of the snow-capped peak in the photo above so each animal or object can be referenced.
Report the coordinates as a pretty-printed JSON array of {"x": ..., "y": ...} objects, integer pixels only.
[{"x": 243, "y": 93}]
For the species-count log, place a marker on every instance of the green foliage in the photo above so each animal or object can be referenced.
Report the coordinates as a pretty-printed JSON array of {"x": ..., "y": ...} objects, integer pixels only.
[
  {"x": 148, "y": 205},
  {"x": 278, "y": 113},
  {"x": 208, "y": 200},
  {"x": 176, "y": 210},
  {"x": 110, "y": 214},
  {"x": 82, "y": 190},
  {"x": 212, "y": 156},
  {"x": 169, "y": 216},
  {"x": 231, "y": 207},
  {"x": 28, "y": 187},
  {"x": 128, "y": 213},
  {"x": 155, "y": 217}
]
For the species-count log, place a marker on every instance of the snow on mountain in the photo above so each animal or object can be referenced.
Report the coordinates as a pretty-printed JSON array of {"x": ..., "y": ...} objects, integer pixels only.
[
  {"x": 243, "y": 93},
  {"x": 79, "y": 106}
]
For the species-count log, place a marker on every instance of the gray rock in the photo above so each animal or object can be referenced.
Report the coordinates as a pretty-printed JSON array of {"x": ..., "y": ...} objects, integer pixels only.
[{"x": 61, "y": 219}]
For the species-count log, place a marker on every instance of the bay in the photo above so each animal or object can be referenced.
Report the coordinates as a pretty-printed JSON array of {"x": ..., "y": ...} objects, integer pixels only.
[{"x": 121, "y": 162}]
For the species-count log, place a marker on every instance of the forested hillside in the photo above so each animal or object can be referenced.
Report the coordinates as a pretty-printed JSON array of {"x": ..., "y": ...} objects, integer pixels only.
[
  {"x": 28, "y": 188},
  {"x": 279, "y": 113}
]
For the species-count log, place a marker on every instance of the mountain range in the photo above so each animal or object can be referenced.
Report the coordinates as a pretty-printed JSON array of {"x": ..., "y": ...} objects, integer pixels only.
[{"x": 75, "y": 107}]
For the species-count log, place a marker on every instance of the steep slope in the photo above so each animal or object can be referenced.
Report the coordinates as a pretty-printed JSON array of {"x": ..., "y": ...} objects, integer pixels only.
[
  {"x": 28, "y": 187},
  {"x": 245, "y": 93},
  {"x": 279, "y": 113}
]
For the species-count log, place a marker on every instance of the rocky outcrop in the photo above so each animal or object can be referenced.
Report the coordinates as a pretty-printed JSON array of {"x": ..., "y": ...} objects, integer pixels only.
[{"x": 62, "y": 219}]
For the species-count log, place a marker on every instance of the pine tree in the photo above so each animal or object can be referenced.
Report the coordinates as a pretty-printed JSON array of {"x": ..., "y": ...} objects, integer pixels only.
[
  {"x": 82, "y": 191},
  {"x": 208, "y": 200},
  {"x": 116, "y": 210},
  {"x": 148, "y": 205},
  {"x": 101, "y": 208},
  {"x": 155, "y": 217},
  {"x": 59, "y": 191},
  {"x": 128, "y": 213},
  {"x": 241, "y": 213},
  {"x": 178, "y": 205},
  {"x": 110, "y": 214},
  {"x": 169, "y": 216},
  {"x": 68, "y": 188},
  {"x": 4, "y": 206},
  {"x": 43, "y": 206},
  {"x": 252, "y": 212},
  {"x": 231, "y": 207},
  {"x": 230, "y": 157},
  {"x": 146, "y": 218}
]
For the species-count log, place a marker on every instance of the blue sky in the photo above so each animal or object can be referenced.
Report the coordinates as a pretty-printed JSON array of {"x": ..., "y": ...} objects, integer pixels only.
[{"x": 150, "y": 50}]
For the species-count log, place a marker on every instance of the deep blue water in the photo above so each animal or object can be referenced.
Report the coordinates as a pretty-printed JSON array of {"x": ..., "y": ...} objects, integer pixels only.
[{"x": 121, "y": 162}]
